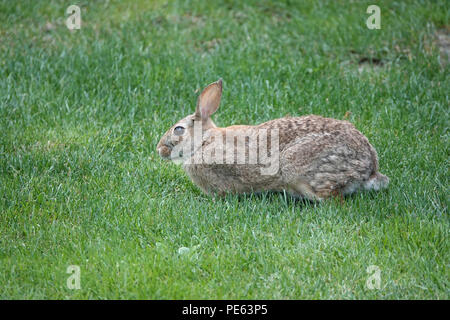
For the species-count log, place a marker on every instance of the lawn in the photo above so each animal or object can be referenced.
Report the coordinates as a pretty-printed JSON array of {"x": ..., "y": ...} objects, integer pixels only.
[{"x": 81, "y": 183}]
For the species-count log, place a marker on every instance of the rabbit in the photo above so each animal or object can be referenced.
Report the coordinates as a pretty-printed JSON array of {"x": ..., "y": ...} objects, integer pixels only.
[{"x": 313, "y": 157}]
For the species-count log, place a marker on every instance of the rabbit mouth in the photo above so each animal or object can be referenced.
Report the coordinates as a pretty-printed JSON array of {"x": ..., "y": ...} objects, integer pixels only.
[{"x": 167, "y": 152}]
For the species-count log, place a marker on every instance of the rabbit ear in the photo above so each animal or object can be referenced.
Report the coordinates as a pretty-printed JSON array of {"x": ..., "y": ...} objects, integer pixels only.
[{"x": 209, "y": 100}]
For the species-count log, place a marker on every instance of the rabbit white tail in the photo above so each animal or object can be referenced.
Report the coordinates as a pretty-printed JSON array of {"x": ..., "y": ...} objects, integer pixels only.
[{"x": 376, "y": 182}]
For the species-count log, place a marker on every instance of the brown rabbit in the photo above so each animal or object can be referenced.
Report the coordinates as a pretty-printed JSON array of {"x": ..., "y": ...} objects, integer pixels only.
[{"x": 309, "y": 156}]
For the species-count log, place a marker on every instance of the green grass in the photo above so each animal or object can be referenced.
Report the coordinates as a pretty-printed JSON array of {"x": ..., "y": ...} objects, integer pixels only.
[{"x": 81, "y": 183}]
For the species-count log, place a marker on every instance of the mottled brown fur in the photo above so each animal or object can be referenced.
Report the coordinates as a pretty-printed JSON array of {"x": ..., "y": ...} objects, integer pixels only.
[{"x": 319, "y": 157}]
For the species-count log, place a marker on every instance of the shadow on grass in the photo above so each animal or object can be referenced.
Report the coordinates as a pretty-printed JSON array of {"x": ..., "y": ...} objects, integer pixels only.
[
  {"x": 269, "y": 196},
  {"x": 287, "y": 199}
]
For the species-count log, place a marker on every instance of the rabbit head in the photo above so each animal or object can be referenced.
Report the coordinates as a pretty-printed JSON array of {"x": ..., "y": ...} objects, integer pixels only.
[{"x": 184, "y": 137}]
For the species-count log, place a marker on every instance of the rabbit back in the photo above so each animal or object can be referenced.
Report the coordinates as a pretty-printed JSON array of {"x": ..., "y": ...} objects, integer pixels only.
[{"x": 318, "y": 158}]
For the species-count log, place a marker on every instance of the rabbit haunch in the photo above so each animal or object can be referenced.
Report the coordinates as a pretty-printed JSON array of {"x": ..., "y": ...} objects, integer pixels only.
[{"x": 309, "y": 156}]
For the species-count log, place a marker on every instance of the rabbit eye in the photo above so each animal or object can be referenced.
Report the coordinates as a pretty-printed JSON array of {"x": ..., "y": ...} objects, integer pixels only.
[{"x": 178, "y": 131}]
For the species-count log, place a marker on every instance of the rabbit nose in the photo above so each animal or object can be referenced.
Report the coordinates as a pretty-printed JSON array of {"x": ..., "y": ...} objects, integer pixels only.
[{"x": 164, "y": 151}]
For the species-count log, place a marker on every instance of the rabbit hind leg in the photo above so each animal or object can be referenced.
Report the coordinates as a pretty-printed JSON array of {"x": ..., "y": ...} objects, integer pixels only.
[
  {"x": 302, "y": 189},
  {"x": 307, "y": 168}
]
